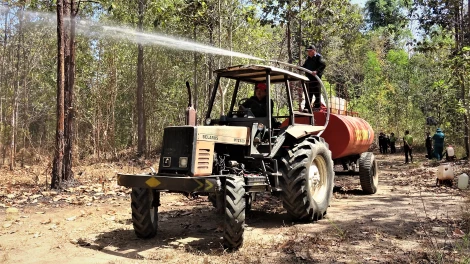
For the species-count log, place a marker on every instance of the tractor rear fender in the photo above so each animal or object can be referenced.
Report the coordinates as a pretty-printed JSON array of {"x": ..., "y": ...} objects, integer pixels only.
[
  {"x": 299, "y": 131},
  {"x": 287, "y": 140}
]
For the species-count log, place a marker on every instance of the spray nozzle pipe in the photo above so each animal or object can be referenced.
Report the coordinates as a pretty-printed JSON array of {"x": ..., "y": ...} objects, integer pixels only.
[{"x": 323, "y": 89}]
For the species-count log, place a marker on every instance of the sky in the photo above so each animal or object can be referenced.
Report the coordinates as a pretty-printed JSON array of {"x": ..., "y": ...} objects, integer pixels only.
[{"x": 360, "y": 2}]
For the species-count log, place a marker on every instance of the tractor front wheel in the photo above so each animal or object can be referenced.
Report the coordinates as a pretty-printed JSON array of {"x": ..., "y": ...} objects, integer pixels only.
[
  {"x": 144, "y": 205},
  {"x": 234, "y": 218},
  {"x": 308, "y": 180}
]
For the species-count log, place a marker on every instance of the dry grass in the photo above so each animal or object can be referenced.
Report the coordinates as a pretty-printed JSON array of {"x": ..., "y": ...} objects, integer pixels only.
[{"x": 365, "y": 239}]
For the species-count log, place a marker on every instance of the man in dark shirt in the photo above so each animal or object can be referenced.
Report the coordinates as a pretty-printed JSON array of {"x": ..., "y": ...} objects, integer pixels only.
[
  {"x": 428, "y": 142},
  {"x": 257, "y": 103},
  {"x": 381, "y": 142},
  {"x": 314, "y": 63}
]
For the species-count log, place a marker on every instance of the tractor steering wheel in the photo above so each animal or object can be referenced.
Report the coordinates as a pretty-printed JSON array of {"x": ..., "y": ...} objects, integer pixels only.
[{"x": 242, "y": 101}]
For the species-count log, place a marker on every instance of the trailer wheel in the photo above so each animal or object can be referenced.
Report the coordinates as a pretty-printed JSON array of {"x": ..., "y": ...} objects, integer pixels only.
[
  {"x": 368, "y": 173},
  {"x": 250, "y": 198},
  {"x": 308, "y": 180},
  {"x": 234, "y": 219},
  {"x": 144, "y": 205}
]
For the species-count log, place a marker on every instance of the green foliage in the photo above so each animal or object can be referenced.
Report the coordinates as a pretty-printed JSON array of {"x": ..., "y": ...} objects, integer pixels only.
[
  {"x": 387, "y": 13},
  {"x": 390, "y": 81}
]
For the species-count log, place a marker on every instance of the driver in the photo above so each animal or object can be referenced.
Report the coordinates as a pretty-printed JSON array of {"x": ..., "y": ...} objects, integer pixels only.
[{"x": 257, "y": 103}]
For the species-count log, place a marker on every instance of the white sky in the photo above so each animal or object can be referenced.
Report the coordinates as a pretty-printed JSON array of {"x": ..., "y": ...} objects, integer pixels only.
[{"x": 360, "y": 2}]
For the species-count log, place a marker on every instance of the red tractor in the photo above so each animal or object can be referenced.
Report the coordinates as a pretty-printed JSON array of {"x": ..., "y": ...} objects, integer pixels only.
[{"x": 236, "y": 154}]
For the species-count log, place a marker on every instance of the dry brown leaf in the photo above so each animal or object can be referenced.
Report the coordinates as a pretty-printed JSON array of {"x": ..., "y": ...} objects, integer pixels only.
[
  {"x": 458, "y": 233},
  {"x": 48, "y": 221}
]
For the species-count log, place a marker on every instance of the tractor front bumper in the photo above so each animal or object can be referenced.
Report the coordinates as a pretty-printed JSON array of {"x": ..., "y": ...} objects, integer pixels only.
[{"x": 170, "y": 183}]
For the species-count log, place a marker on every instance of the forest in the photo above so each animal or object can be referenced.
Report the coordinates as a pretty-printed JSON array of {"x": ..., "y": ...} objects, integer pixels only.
[
  {"x": 87, "y": 88},
  {"x": 401, "y": 64}
]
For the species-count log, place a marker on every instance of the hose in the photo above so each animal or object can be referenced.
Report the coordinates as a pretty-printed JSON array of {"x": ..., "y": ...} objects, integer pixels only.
[{"x": 323, "y": 90}]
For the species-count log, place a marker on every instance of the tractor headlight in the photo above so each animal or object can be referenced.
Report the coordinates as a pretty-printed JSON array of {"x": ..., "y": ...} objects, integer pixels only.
[
  {"x": 183, "y": 162},
  {"x": 260, "y": 127},
  {"x": 208, "y": 121}
]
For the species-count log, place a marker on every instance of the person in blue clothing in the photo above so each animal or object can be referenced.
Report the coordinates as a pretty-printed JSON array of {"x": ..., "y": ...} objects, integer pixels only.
[{"x": 438, "y": 140}]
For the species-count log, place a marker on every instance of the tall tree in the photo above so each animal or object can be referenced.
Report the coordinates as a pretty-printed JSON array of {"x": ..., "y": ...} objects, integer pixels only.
[
  {"x": 57, "y": 170},
  {"x": 141, "y": 123},
  {"x": 387, "y": 13},
  {"x": 69, "y": 41}
]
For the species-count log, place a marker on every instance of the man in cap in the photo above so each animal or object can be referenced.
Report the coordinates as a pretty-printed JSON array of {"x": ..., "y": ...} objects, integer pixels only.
[
  {"x": 257, "y": 103},
  {"x": 314, "y": 63}
]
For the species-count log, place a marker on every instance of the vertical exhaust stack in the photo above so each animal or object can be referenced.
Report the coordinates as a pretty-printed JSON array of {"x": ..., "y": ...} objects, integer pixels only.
[{"x": 190, "y": 111}]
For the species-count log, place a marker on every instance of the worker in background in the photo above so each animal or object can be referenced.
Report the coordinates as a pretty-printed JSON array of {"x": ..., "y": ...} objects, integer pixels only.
[
  {"x": 438, "y": 139},
  {"x": 381, "y": 142},
  {"x": 314, "y": 63},
  {"x": 387, "y": 143},
  {"x": 408, "y": 146},
  {"x": 428, "y": 143},
  {"x": 393, "y": 139}
]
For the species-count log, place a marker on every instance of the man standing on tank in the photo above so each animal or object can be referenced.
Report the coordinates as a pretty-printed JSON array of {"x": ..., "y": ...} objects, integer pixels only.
[{"x": 314, "y": 63}]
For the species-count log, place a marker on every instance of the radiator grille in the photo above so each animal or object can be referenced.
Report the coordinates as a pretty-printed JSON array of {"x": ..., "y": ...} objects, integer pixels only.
[
  {"x": 177, "y": 142},
  {"x": 204, "y": 158}
]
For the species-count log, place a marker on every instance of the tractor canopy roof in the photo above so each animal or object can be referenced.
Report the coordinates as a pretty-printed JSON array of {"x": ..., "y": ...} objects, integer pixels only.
[{"x": 257, "y": 73}]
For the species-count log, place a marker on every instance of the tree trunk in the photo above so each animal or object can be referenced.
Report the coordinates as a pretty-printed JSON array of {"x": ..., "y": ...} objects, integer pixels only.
[
  {"x": 3, "y": 85},
  {"x": 141, "y": 126},
  {"x": 464, "y": 101},
  {"x": 69, "y": 87},
  {"x": 289, "y": 40},
  {"x": 300, "y": 34},
  {"x": 195, "y": 84},
  {"x": 211, "y": 66},
  {"x": 59, "y": 146},
  {"x": 14, "y": 104}
]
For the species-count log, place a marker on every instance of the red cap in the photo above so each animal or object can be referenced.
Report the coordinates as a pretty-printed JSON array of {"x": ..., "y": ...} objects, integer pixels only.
[{"x": 261, "y": 86}]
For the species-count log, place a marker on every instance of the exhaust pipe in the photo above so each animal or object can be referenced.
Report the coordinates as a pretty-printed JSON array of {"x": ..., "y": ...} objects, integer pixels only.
[{"x": 190, "y": 111}]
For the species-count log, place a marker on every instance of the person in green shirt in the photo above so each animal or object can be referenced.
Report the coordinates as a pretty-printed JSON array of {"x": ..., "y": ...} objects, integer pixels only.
[
  {"x": 393, "y": 139},
  {"x": 408, "y": 146}
]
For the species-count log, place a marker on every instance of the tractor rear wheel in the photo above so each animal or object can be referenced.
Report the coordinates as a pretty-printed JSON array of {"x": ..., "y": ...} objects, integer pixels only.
[
  {"x": 368, "y": 173},
  {"x": 144, "y": 205},
  {"x": 234, "y": 219},
  {"x": 308, "y": 180}
]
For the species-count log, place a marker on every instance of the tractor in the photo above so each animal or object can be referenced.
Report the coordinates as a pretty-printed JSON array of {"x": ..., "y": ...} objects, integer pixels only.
[{"x": 235, "y": 155}]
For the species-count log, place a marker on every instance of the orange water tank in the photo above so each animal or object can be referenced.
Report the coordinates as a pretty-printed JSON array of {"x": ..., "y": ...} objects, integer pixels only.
[{"x": 345, "y": 135}]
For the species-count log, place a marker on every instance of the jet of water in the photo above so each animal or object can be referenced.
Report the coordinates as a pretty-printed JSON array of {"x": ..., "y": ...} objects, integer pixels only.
[{"x": 105, "y": 30}]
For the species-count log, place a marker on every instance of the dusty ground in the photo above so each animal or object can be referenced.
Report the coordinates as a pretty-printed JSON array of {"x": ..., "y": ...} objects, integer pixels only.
[{"x": 409, "y": 220}]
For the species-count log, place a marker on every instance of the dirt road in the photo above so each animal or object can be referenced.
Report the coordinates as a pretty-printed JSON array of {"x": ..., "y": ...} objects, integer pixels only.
[{"x": 409, "y": 220}]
